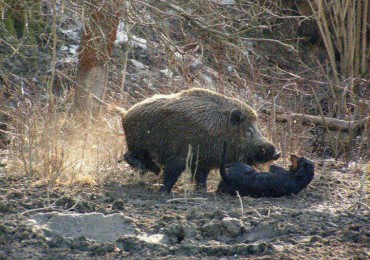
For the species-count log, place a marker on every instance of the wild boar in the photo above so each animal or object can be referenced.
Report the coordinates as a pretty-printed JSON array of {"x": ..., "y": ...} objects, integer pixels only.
[{"x": 159, "y": 130}]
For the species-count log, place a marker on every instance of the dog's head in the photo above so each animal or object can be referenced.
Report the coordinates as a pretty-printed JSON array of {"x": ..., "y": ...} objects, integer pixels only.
[{"x": 301, "y": 165}]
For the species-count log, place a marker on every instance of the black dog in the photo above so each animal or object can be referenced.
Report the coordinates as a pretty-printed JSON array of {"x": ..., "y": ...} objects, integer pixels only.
[{"x": 275, "y": 183}]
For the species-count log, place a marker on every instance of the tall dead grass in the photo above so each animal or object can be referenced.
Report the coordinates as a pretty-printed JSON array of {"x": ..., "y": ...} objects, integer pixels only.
[
  {"x": 60, "y": 149},
  {"x": 343, "y": 26}
]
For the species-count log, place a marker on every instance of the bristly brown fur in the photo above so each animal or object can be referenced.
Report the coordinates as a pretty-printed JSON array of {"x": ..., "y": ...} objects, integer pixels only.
[{"x": 159, "y": 129}]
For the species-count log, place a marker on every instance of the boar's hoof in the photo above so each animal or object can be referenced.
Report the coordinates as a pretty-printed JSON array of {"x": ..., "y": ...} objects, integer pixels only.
[{"x": 171, "y": 173}]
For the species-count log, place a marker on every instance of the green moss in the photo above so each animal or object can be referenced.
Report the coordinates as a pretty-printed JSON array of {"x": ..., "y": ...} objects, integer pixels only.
[
  {"x": 9, "y": 24},
  {"x": 15, "y": 22},
  {"x": 19, "y": 24},
  {"x": 118, "y": 204},
  {"x": 102, "y": 248},
  {"x": 4, "y": 208}
]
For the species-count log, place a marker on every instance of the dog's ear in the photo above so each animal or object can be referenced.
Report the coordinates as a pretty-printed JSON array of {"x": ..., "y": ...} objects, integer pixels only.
[{"x": 294, "y": 159}]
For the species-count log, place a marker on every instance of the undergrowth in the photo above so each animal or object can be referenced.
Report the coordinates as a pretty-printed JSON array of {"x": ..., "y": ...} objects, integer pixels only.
[{"x": 59, "y": 148}]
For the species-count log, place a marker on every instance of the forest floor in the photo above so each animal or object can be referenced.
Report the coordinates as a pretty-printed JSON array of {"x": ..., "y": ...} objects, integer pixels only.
[{"x": 125, "y": 217}]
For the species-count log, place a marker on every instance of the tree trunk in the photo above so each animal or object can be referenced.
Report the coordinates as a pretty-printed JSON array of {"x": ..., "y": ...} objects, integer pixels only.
[{"x": 100, "y": 28}]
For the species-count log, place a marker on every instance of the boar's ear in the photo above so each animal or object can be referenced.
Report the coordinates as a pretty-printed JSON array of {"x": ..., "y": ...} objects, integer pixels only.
[{"x": 236, "y": 117}]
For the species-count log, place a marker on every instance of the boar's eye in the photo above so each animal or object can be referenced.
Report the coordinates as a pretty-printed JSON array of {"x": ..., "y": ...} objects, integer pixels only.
[{"x": 249, "y": 132}]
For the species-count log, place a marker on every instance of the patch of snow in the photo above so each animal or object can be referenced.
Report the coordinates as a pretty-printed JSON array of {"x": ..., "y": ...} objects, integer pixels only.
[
  {"x": 138, "y": 65},
  {"x": 122, "y": 38},
  {"x": 72, "y": 33},
  {"x": 69, "y": 53},
  {"x": 230, "y": 68},
  {"x": 167, "y": 73},
  {"x": 224, "y": 2},
  {"x": 73, "y": 49}
]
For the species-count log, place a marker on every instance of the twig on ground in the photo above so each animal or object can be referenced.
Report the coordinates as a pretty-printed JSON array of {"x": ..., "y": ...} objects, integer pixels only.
[
  {"x": 186, "y": 200},
  {"x": 52, "y": 207},
  {"x": 241, "y": 203},
  {"x": 258, "y": 214}
]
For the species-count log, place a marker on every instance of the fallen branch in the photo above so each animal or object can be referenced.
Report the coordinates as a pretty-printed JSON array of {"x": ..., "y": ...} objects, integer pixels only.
[
  {"x": 332, "y": 123},
  {"x": 51, "y": 207},
  {"x": 186, "y": 200}
]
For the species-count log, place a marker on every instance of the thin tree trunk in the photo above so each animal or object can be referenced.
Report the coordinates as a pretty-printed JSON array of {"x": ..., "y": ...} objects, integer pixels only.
[
  {"x": 100, "y": 29},
  {"x": 358, "y": 16},
  {"x": 365, "y": 42},
  {"x": 54, "y": 59}
]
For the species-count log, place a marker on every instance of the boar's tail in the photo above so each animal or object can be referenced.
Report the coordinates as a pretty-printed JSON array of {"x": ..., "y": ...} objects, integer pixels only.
[
  {"x": 223, "y": 172},
  {"x": 117, "y": 109}
]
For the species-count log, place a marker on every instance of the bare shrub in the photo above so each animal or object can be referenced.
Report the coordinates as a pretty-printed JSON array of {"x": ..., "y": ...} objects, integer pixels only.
[{"x": 58, "y": 149}]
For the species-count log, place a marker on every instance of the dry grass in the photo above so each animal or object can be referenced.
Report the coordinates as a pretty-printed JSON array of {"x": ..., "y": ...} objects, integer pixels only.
[{"x": 58, "y": 148}]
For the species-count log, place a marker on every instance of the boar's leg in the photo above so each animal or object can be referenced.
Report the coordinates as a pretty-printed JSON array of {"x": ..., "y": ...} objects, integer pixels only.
[
  {"x": 142, "y": 161},
  {"x": 171, "y": 172},
  {"x": 201, "y": 177},
  {"x": 152, "y": 166}
]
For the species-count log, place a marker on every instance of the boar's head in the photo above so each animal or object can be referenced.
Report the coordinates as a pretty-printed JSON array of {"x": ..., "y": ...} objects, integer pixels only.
[{"x": 256, "y": 148}]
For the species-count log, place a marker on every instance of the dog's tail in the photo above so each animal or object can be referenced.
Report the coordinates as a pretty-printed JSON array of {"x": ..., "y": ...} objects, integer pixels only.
[{"x": 223, "y": 172}]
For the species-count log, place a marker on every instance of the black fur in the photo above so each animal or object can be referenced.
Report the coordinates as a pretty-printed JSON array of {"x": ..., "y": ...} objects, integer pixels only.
[{"x": 275, "y": 183}]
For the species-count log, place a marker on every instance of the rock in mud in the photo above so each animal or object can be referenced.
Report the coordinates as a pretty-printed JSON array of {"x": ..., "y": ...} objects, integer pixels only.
[
  {"x": 139, "y": 248},
  {"x": 118, "y": 204},
  {"x": 227, "y": 226},
  {"x": 233, "y": 225},
  {"x": 266, "y": 231},
  {"x": 213, "y": 229},
  {"x": 179, "y": 231},
  {"x": 195, "y": 213},
  {"x": 218, "y": 249},
  {"x": 92, "y": 226}
]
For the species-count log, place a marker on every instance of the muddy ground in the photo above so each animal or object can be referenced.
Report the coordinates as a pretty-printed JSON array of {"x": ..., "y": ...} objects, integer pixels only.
[{"x": 125, "y": 217}]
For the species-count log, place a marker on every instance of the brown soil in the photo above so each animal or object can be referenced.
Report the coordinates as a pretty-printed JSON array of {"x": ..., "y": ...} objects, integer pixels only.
[{"x": 328, "y": 220}]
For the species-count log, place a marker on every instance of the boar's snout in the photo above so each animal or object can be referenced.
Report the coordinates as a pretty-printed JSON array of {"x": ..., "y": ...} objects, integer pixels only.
[
  {"x": 276, "y": 155},
  {"x": 266, "y": 153}
]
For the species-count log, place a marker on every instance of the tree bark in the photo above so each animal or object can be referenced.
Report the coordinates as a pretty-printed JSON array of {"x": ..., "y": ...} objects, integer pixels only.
[{"x": 98, "y": 36}]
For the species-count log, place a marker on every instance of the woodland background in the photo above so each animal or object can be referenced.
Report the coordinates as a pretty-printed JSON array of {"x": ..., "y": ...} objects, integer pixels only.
[{"x": 303, "y": 65}]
